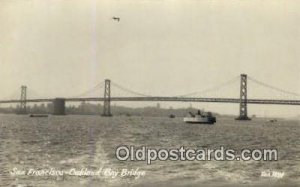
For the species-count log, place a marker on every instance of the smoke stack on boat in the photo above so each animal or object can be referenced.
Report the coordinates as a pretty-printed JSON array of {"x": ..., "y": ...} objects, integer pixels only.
[{"x": 200, "y": 118}]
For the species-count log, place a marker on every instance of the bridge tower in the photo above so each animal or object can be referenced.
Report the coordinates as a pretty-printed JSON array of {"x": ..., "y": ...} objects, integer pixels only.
[
  {"x": 23, "y": 99},
  {"x": 106, "y": 102},
  {"x": 243, "y": 99}
]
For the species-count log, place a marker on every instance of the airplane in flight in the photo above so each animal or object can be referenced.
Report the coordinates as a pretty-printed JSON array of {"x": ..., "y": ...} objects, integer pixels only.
[{"x": 116, "y": 18}]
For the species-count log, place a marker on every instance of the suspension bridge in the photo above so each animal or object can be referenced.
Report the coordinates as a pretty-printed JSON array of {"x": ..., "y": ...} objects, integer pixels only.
[{"x": 242, "y": 100}]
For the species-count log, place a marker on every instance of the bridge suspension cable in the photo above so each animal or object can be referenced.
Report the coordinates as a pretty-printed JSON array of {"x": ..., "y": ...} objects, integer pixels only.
[
  {"x": 98, "y": 86},
  {"x": 33, "y": 94},
  {"x": 12, "y": 95},
  {"x": 215, "y": 88},
  {"x": 272, "y": 87},
  {"x": 129, "y": 91}
]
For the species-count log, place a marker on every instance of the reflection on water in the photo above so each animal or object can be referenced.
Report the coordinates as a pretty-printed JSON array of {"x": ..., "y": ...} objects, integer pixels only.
[{"x": 64, "y": 142}]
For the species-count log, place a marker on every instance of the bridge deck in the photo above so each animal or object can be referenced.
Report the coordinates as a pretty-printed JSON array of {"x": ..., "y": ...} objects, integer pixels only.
[{"x": 169, "y": 99}]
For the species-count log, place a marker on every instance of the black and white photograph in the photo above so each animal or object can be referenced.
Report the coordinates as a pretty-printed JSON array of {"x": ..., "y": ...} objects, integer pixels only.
[{"x": 149, "y": 93}]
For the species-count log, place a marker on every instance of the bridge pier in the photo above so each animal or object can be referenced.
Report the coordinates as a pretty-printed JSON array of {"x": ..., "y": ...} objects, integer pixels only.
[
  {"x": 243, "y": 99},
  {"x": 59, "y": 106},
  {"x": 106, "y": 102}
]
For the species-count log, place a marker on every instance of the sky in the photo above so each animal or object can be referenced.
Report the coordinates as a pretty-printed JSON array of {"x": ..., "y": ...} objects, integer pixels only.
[{"x": 61, "y": 48}]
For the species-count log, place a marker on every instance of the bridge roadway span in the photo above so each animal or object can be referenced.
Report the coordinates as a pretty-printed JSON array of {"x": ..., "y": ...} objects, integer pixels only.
[{"x": 174, "y": 99}]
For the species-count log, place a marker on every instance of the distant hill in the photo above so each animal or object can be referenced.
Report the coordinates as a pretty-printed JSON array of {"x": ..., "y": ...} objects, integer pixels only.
[{"x": 96, "y": 109}]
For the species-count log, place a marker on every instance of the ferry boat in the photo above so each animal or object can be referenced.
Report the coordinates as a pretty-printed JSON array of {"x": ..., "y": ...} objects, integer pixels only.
[
  {"x": 200, "y": 118},
  {"x": 38, "y": 115}
]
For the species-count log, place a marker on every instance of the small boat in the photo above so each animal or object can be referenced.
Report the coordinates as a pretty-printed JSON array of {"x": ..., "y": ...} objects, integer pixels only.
[
  {"x": 200, "y": 118},
  {"x": 172, "y": 116},
  {"x": 38, "y": 115}
]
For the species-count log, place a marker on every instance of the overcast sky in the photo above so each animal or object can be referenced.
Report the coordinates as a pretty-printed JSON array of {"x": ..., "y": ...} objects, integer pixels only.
[{"x": 61, "y": 48}]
